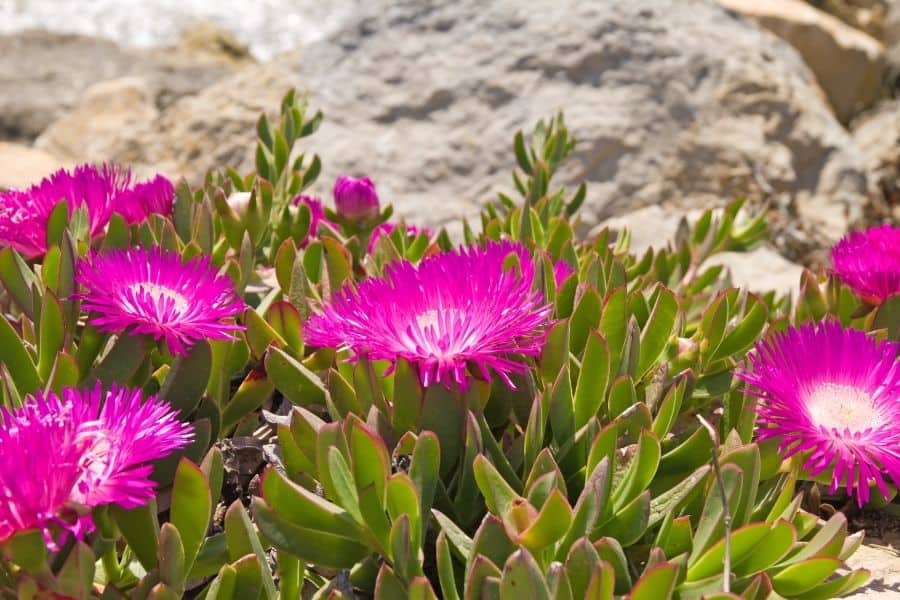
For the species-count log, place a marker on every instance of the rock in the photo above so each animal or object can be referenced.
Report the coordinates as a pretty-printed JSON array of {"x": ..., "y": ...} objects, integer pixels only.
[
  {"x": 877, "y": 134},
  {"x": 648, "y": 227},
  {"x": 242, "y": 456},
  {"x": 760, "y": 270},
  {"x": 20, "y": 166},
  {"x": 848, "y": 63},
  {"x": 674, "y": 102},
  {"x": 883, "y": 562},
  {"x": 892, "y": 43},
  {"x": 206, "y": 41},
  {"x": 865, "y": 15},
  {"x": 216, "y": 127},
  {"x": 103, "y": 123},
  {"x": 44, "y": 75}
]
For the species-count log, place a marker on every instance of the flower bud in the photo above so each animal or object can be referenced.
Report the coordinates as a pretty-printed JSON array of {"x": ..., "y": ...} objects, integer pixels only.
[{"x": 355, "y": 199}]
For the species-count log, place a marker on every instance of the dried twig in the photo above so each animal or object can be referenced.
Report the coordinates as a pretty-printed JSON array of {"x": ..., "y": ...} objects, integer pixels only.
[{"x": 726, "y": 562}]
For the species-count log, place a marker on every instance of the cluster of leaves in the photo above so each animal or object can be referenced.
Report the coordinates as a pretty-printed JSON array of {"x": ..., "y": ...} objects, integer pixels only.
[{"x": 594, "y": 478}]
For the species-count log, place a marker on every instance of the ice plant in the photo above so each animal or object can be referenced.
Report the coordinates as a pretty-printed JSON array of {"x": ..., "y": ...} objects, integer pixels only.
[
  {"x": 869, "y": 262},
  {"x": 61, "y": 455},
  {"x": 155, "y": 292},
  {"x": 154, "y": 196},
  {"x": 317, "y": 216},
  {"x": 561, "y": 271},
  {"x": 355, "y": 199},
  {"x": 24, "y": 213},
  {"x": 388, "y": 228},
  {"x": 832, "y": 394},
  {"x": 460, "y": 309}
]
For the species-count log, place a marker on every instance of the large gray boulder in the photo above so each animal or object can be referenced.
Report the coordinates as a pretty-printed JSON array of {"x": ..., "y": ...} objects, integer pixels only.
[{"x": 674, "y": 102}]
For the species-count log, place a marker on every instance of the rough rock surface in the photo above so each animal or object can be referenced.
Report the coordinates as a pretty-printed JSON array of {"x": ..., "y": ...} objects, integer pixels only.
[
  {"x": 20, "y": 165},
  {"x": 648, "y": 227},
  {"x": 865, "y": 15},
  {"x": 97, "y": 128},
  {"x": 675, "y": 102},
  {"x": 877, "y": 134},
  {"x": 761, "y": 270},
  {"x": 848, "y": 63},
  {"x": 880, "y": 556},
  {"x": 44, "y": 74}
]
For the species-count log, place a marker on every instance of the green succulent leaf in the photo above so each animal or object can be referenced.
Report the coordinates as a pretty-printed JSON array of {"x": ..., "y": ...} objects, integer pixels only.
[{"x": 191, "y": 508}]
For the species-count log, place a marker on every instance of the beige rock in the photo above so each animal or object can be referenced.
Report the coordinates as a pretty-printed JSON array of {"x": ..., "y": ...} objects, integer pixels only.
[
  {"x": 865, "y": 15},
  {"x": 216, "y": 127},
  {"x": 45, "y": 74},
  {"x": 204, "y": 40},
  {"x": 21, "y": 166},
  {"x": 877, "y": 133},
  {"x": 648, "y": 227},
  {"x": 883, "y": 562},
  {"x": 760, "y": 270},
  {"x": 848, "y": 64},
  {"x": 104, "y": 123}
]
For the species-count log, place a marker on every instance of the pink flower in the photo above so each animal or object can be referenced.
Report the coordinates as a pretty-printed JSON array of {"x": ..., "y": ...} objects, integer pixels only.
[
  {"x": 24, "y": 214},
  {"x": 832, "y": 394},
  {"x": 869, "y": 262},
  {"x": 154, "y": 292},
  {"x": 561, "y": 272},
  {"x": 62, "y": 455},
  {"x": 155, "y": 196},
  {"x": 355, "y": 199},
  {"x": 388, "y": 228},
  {"x": 453, "y": 311}
]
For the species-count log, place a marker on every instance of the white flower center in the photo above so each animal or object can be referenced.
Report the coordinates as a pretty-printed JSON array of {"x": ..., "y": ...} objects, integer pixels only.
[
  {"x": 159, "y": 292},
  {"x": 429, "y": 318},
  {"x": 840, "y": 407}
]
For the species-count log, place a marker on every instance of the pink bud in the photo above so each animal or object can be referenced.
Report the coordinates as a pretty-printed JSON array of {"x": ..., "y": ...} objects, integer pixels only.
[{"x": 355, "y": 199}]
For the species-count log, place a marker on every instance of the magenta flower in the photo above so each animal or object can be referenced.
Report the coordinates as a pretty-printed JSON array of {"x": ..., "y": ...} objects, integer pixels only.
[
  {"x": 62, "y": 455},
  {"x": 869, "y": 262},
  {"x": 317, "y": 217},
  {"x": 561, "y": 272},
  {"x": 833, "y": 393},
  {"x": 155, "y": 196},
  {"x": 388, "y": 228},
  {"x": 156, "y": 293},
  {"x": 101, "y": 190},
  {"x": 355, "y": 199},
  {"x": 453, "y": 311}
]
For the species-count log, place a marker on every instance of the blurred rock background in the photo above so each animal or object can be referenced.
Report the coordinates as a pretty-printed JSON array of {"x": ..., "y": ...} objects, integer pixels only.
[{"x": 678, "y": 105}]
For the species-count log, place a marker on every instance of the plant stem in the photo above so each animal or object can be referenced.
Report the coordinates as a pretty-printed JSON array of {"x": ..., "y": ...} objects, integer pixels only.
[
  {"x": 111, "y": 564},
  {"x": 726, "y": 511}
]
